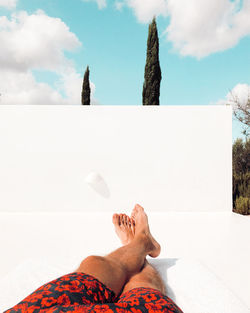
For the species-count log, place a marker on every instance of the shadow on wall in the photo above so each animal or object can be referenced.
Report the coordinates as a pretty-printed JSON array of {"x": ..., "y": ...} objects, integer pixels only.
[
  {"x": 98, "y": 184},
  {"x": 162, "y": 266}
]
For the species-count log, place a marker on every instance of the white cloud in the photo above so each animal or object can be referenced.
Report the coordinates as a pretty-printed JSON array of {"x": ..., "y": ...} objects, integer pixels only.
[
  {"x": 198, "y": 27},
  {"x": 238, "y": 98},
  {"x": 22, "y": 88},
  {"x": 204, "y": 27},
  {"x": 101, "y": 3},
  {"x": 37, "y": 41},
  {"x": 145, "y": 10},
  {"x": 119, "y": 5},
  {"x": 8, "y": 4},
  {"x": 240, "y": 93}
]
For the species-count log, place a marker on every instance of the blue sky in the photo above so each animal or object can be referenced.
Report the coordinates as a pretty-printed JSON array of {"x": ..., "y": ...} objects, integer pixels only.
[{"x": 204, "y": 50}]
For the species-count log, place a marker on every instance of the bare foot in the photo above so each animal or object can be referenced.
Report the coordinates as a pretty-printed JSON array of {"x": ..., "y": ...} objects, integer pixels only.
[
  {"x": 124, "y": 228},
  {"x": 142, "y": 227}
]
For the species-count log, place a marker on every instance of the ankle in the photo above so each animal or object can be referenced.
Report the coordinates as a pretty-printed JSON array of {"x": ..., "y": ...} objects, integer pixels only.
[{"x": 144, "y": 240}]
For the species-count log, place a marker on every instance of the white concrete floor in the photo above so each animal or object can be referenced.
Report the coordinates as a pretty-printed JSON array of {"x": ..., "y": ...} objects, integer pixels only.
[{"x": 219, "y": 240}]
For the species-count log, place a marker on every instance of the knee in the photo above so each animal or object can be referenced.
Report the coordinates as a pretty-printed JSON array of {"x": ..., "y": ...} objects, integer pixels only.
[
  {"x": 93, "y": 259},
  {"x": 89, "y": 262}
]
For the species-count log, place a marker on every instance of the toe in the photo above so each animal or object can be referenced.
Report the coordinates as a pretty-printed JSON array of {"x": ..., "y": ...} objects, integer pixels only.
[
  {"x": 134, "y": 211},
  {"x": 127, "y": 221},
  {"x": 133, "y": 226},
  {"x": 139, "y": 207},
  {"x": 120, "y": 219},
  {"x": 115, "y": 219},
  {"x": 122, "y": 225},
  {"x": 124, "y": 221}
]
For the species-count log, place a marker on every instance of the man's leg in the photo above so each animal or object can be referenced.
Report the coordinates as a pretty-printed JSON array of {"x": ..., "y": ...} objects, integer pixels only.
[
  {"x": 145, "y": 292},
  {"x": 117, "y": 268},
  {"x": 148, "y": 277},
  {"x": 114, "y": 270}
]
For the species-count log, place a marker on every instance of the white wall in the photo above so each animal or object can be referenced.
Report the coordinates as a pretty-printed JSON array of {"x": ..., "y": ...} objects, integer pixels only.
[{"x": 165, "y": 158}]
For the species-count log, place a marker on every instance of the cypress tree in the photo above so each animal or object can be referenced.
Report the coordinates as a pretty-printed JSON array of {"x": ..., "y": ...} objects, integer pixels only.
[
  {"x": 152, "y": 74},
  {"x": 86, "y": 88}
]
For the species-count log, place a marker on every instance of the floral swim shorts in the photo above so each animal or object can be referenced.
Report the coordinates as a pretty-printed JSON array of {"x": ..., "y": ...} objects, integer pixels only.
[{"x": 81, "y": 293}]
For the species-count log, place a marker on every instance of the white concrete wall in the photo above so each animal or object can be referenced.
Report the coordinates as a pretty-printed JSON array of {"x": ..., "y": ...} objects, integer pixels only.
[{"x": 165, "y": 158}]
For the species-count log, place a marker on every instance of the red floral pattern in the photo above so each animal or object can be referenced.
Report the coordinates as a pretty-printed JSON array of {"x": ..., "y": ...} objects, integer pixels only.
[{"x": 81, "y": 293}]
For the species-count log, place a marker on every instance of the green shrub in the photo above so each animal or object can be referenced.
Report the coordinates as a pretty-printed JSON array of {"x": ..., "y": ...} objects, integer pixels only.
[
  {"x": 241, "y": 176},
  {"x": 242, "y": 205}
]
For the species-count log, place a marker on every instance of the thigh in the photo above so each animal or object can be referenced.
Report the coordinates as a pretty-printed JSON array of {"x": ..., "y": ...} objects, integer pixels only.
[
  {"x": 74, "y": 289},
  {"x": 147, "y": 300}
]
